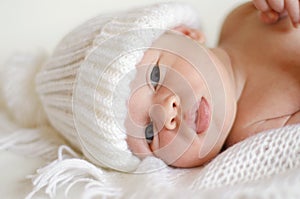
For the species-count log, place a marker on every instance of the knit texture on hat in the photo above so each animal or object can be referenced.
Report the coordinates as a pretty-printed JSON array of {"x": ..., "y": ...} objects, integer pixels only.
[{"x": 85, "y": 85}]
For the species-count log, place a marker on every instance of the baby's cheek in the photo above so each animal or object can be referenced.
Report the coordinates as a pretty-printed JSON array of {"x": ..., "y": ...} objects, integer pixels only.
[
  {"x": 171, "y": 146},
  {"x": 138, "y": 105},
  {"x": 164, "y": 138},
  {"x": 138, "y": 147},
  {"x": 163, "y": 146}
]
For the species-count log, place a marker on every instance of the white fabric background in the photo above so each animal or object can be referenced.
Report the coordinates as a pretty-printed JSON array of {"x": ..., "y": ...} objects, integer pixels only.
[{"x": 34, "y": 24}]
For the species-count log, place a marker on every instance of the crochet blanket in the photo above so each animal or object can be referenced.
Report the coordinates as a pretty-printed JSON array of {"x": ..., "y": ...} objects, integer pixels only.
[{"x": 266, "y": 165}]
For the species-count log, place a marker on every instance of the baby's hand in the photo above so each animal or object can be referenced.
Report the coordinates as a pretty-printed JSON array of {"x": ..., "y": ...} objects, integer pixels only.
[{"x": 273, "y": 10}]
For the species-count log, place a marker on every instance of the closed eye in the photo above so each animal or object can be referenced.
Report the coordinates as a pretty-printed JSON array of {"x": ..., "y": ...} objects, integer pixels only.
[
  {"x": 157, "y": 75},
  {"x": 149, "y": 133}
]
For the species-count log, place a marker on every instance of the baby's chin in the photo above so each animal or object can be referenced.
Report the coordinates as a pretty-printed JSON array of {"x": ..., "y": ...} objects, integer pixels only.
[
  {"x": 192, "y": 159},
  {"x": 187, "y": 162}
]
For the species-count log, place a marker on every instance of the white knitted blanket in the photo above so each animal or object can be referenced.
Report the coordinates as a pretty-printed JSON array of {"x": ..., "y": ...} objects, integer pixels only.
[{"x": 266, "y": 165}]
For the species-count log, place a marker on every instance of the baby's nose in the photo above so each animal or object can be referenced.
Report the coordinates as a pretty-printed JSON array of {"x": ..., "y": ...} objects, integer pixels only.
[{"x": 171, "y": 106}]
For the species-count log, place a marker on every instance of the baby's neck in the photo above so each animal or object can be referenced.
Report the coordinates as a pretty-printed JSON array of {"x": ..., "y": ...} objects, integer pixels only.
[
  {"x": 233, "y": 67},
  {"x": 259, "y": 107}
]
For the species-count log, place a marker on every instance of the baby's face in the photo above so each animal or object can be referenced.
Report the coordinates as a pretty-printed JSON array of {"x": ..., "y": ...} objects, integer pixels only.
[{"x": 170, "y": 110}]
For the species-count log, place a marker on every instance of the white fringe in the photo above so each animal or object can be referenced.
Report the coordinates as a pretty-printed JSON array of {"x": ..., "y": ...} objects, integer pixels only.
[{"x": 68, "y": 170}]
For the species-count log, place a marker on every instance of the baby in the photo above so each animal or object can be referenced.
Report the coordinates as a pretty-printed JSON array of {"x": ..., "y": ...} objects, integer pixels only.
[
  {"x": 260, "y": 69},
  {"x": 125, "y": 86}
]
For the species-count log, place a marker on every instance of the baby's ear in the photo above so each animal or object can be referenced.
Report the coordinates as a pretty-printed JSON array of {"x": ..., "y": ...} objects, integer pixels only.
[{"x": 192, "y": 33}]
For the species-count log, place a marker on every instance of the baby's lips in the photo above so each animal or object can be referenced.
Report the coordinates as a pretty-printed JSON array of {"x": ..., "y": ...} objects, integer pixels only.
[{"x": 203, "y": 117}]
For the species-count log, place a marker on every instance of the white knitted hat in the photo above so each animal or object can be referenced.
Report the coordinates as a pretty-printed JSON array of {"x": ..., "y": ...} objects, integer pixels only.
[{"x": 87, "y": 79}]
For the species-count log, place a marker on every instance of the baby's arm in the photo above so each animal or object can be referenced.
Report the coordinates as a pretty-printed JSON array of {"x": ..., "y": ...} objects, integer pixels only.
[{"x": 273, "y": 10}]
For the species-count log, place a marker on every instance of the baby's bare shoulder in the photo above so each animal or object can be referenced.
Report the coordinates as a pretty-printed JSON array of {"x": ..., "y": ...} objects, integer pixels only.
[{"x": 244, "y": 30}]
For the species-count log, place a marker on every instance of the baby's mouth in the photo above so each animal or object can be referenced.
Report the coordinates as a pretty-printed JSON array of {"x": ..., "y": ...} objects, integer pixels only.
[{"x": 198, "y": 118}]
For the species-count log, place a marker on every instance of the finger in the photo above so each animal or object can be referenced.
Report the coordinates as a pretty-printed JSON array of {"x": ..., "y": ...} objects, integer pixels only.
[
  {"x": 261, "y": 5},
  {"x": 269, "y": 17},
  {"x": 283, "y": 14},
  {"x": 277, "y": 5},
  {"x": 292, "y": 7}
]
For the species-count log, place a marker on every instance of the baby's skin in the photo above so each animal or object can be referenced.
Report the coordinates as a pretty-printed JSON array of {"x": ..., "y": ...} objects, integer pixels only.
[{"x": 258, "y": 59}]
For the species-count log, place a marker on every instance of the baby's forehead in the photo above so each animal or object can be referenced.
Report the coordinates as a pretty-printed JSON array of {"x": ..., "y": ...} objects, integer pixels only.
[
  {"x": 156, "y": 50},
  {"x": 159, "y": 56},
  {"x": 171, "y": 46}
]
